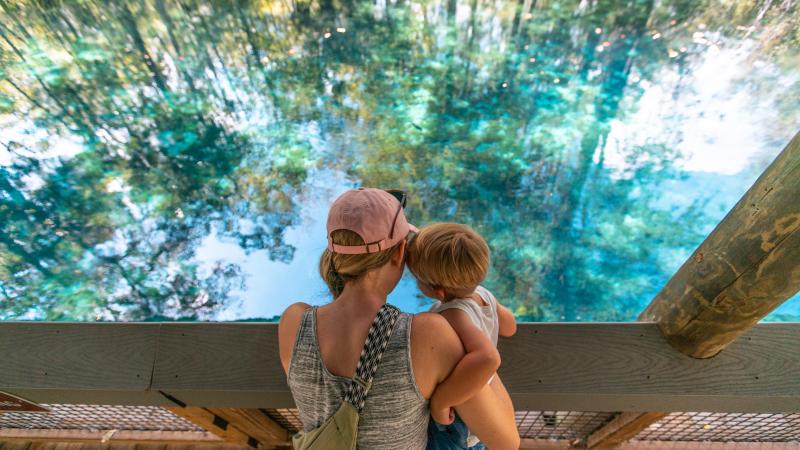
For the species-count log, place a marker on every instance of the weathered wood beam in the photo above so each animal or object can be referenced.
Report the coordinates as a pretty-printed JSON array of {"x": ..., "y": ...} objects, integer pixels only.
[
  {"x": 544, "y": 444},
  {"x": 99, "y": 356},
  {"x": 37, "y": 443},
  {"x": 747, "y": 266},
  {"x": 254, "y": 423},
  {"x": 691, "y": 445},
  {"x": 245, "y": 348},
  {"x": 622, "y": 428},
  {"x": 563, "y": 444},
  {"x": 249, "y": 427},
  {"x": 214, "y": 424},
  {"x": 53, "y": 445},
  {"x": 546, "y": 366},
  {"x": 108, "y": 437},
  {"x": 629, "y": 367}
]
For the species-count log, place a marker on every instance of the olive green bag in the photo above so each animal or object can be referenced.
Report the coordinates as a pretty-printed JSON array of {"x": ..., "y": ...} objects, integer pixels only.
[{"x": 340, "y": 431}]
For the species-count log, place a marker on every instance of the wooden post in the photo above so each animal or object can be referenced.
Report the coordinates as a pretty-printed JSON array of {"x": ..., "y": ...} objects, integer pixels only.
[{"x": 746, "y": 267}]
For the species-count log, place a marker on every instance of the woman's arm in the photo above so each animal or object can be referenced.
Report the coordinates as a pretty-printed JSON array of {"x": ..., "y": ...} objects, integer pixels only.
[
  {"x": 471, "y": 373},
  {"x": 508, "y": 324},
  {"x": 435, "y": 351},
  {"x": 490, "y": 416}
]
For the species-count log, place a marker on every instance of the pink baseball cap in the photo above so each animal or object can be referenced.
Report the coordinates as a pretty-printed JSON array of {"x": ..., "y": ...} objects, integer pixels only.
[{"x": 374, "y": 214}]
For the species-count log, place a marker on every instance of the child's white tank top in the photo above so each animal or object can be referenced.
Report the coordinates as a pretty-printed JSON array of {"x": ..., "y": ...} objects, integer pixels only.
[{"x": 484, "y": 317}]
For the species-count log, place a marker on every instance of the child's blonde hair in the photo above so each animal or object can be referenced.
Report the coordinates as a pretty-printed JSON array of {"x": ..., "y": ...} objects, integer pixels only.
[{"x": 450, "y": 256}]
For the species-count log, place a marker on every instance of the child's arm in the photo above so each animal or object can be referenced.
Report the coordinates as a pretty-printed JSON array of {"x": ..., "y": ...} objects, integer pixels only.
[
  {"x": 508, "y": 324},
  {"x": 471, "y": 373}
]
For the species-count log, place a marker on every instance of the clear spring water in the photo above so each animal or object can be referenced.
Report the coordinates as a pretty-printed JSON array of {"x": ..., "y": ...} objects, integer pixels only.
[{"x": 174, "y": 159}]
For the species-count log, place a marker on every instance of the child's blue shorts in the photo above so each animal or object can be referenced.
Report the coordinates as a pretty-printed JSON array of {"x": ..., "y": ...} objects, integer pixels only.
[{"x": 450, "y": 437}]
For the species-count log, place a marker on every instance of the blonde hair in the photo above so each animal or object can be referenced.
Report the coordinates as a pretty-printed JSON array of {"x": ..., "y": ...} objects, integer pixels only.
[
  {"x": 451, "y": 256},
  {"x": 337, "y": 269}
]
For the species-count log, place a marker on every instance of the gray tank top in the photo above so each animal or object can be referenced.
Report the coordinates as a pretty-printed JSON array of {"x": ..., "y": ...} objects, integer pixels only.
[{"x": 395, "y": 415}]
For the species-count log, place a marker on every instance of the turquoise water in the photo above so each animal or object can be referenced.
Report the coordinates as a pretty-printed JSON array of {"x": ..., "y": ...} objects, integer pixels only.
[{"x": 174, "y": 160}]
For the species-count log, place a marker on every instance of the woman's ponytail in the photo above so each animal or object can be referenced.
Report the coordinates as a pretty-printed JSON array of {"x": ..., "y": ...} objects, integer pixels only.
[
  {"x": 337, "y": 269},
  {"x": 327, "y": 269}
]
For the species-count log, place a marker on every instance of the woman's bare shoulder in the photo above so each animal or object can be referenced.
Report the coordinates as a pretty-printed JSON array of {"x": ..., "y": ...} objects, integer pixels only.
[
  {"x": 429, "y": 328},
  {"x": 434, "y": 327},
  {"x": 291, "y": 316},
  {"x": 428, "y": 319},
  {"x": 287, "y": 330},
  {"x": 294, "y": 309},
  {"x": 435, "y": 350}
]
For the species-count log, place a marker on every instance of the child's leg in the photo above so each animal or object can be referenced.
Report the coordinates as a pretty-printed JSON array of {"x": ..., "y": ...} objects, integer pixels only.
[{"x": 490, "y": 416}]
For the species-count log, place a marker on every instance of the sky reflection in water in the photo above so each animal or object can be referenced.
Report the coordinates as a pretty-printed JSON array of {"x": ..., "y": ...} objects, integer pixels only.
[{"x": 165, "y": 160}]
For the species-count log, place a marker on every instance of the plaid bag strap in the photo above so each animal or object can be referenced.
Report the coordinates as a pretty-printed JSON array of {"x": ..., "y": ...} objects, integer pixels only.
[{"x": 377, "y": 340}]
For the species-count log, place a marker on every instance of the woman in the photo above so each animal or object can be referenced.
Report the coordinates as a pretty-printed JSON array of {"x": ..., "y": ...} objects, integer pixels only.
[{"x": 320, "y": 347}]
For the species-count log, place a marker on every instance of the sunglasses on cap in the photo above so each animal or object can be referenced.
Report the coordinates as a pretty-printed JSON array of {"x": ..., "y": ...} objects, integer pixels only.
[{"x": 401, "y": 197}]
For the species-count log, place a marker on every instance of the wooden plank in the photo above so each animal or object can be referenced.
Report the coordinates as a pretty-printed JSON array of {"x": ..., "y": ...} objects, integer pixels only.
[
  {"x": 254, "y": 423},
  {"x": 629, "y": 367},
  {"x": 113, "y": 357},
  {"x": 29, "y": 445},
  {"x": 612, "y": 367},
  {"x": 243, "y": 357},
  {"x": 546, "y": 366},
  {"x": 96, "y": 436},
  {"x": 544, "y": 444},
  {"x": 747, "y": 266},
  {"x": 212, "y": 423},
  {"x": 622, "y": 428},
  {"x": 552, "y": 444},
  {"x": 80, "y": 395},
  {"x": 688, "y": 445},
  {"x": 249, "y": 427},
  {"x": 14, "y": 445}
]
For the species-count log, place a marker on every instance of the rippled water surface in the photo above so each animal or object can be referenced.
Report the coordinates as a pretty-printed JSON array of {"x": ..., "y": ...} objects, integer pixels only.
[{"x": 174, "y": 159}]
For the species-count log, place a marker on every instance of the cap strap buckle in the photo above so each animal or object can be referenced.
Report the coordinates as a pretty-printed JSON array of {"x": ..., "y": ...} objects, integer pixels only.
[{"x": 372, "y": 247}]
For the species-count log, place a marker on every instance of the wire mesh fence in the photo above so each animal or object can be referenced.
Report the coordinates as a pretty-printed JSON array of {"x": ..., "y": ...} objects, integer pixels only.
[
  {"x": 287, "y": 418},
  {"x": 570, "y": 426},
  {"x": 98, "y": 417},
  {"x": 562, "y": 425},
  {"x": 724, "y": 427}
]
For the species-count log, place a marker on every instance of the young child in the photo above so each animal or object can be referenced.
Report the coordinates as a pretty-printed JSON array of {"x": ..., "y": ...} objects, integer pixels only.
[{"x": 450, "y": 261}]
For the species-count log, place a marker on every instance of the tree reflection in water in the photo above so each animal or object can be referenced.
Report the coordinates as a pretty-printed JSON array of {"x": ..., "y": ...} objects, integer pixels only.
[{"x": 200, "y": 118}]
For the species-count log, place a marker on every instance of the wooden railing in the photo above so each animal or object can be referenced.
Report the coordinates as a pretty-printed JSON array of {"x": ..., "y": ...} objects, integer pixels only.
[{"x": 550, "y": 366}]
